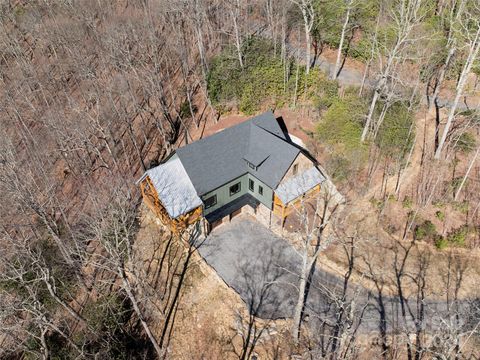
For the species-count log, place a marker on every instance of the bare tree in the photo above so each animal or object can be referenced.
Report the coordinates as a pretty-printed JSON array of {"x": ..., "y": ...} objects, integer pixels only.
[
  {"x": 314, "y": 216},
  {"x": 470, "y": 26},
  {"x": 451, "y": 18},
  {"x": 406, "y": 16},
  {"x": 235, "y": 12},
  {"x": 349, "y": 4},
  {"x": 308, "y": 14},
  {"x": 116, "y": 230},
  {"x": 470, "y": 166}
]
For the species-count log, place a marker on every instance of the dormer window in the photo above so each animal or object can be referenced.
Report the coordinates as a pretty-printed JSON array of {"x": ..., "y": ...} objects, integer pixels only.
[{"x": 251, "y": 166}]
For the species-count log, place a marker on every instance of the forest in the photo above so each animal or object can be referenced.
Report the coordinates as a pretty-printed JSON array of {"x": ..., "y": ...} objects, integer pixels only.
[{"x": 385, "y": 94}]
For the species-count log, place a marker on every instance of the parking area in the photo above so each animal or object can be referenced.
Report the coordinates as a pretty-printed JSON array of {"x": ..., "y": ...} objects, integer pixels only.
[
  {"x": 262, "y": 267},
  {"x": 256, "y": 264}
]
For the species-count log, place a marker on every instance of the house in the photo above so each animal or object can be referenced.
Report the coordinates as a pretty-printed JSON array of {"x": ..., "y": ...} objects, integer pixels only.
[{"x": 253, "y": 166}]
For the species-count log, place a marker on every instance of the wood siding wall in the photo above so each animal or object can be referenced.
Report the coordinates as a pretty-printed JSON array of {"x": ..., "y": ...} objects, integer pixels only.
[
  {"x": 283, "y": 210},
  {"x": 150, "y": 196}
]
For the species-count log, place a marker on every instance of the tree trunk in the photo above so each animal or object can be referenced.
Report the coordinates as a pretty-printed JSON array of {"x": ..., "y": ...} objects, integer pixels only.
[
  {"x": 467, "y": 173},
  {"x": 136, "y": 308},
  {"x": 372, "y": 54},
  {"x": 297, "y": 318},
  {"x": 43, "y": 340},
  {"x": 238, "y": 43},
  {"x": 307, "y": 39},
  {"x": 472, "y": 55},
  {"x": 381, "y": 117},
  {"x": 366, "y": 128},
  {"x": 340, "y": 46},
  {"x": 451, "y": 46},
  {"x": 296, "y": 85},
  {"x": 441, "y": 76}
]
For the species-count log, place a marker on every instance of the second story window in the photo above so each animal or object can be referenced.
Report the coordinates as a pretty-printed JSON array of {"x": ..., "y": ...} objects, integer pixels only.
[
  {"x": 235, "y": 188},
  {"x": 260, "y": 190},
  {"x": 251, "y": 185}
]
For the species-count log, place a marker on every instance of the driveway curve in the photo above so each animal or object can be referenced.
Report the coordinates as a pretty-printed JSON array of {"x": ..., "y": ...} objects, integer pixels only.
[{"x": 264, "y": 270}]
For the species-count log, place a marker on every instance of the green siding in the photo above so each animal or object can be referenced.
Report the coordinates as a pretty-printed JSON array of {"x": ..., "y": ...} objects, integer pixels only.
[
  {"x": 267, "y": 197},
  {"x": 223, "y": 193}
]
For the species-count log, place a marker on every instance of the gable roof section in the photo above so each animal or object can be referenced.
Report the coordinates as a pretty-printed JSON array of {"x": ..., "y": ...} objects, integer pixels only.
[
  {"x": 294, "y": 187},
  {"x": 215, "y": 160},
  {"x": 174, "y": 188},
  {"x": 277, "y": 154},
  {"x": 219, "y": 158}
]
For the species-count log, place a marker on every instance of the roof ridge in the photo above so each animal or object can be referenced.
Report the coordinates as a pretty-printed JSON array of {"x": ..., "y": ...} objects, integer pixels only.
[
  {"x": 249, "y": 138},
  {"x": 270, "y": 132},
  {"x": 273, "y": 134},
  {"x": 217, "y": 159}
]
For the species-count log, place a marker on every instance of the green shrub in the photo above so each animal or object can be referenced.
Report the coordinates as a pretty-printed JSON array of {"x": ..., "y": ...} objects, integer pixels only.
[
  {"x": 326, "y": 26},
  {"x": 395, "y": 135},
  {"x": 340, "y": 129},
  {"x": 461, "y": 206},
  {"x": 454, "y": 185},
  {"x": 107, "y": 314},
  {"x": 407, "y": 202},
  {"x": 425, "y": 231},
  {"x": 266, "y": 81},
  {"x": 465, "y": 143},
  {"x": 458, "y": 236},
  {"x": 224, "y": 77},
  {"x": 19, "y": 11},
  {"x": 184, "y": 111},
  {"x": 361, "y": 49},
  {"x": 440, "y": 215},
  {"x": 325, "y": 91},
  {"x": 438, "y": 203},
  {"x": 338, "y": 167},
  {"x": 441, "y": 243},
  {"x": 262, "y": 79},
  {"x": 249, "y": 101},
  {"x": 341, "y": 125},
  {"x": 377, "y": 203}
]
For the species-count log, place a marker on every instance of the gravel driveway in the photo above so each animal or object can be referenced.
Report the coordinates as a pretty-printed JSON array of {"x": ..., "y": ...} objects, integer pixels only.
[{"x": 263, "y": 268}]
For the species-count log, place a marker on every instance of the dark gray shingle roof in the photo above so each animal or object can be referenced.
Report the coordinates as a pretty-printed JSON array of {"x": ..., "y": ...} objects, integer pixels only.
[{"x": 215, "y": 160}]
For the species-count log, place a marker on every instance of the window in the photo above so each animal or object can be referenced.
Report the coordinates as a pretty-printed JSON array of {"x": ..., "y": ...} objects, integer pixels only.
[
  {"x": 211, "y": 201},
  {"x": 251, "y": 185},
  {"x": 235, "y": 189},
  {"x": 250, "y": 165},
  {"x": 295, "y": 169},
  {"x": 260, "y": 190}
]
